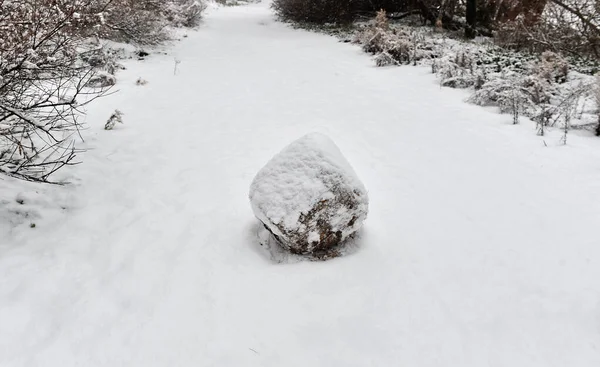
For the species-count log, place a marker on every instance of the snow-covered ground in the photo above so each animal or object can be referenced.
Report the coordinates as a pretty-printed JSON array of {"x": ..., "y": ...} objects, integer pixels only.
[{"x": 481, "y": 247}]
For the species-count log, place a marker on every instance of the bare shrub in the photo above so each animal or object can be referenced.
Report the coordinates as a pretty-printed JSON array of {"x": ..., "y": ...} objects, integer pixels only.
[
  {"x": 137, "y": 21},
  {"x": 141, "y": 22},
  {"x": 566, "y": 26},
  {"x": 113, "y": 120},
  {"x": 393, "y": 45},
  {"x": 184, "y": 13},
  {"x": 43, "y": 85},
  {"x": 49, "y": 69}
]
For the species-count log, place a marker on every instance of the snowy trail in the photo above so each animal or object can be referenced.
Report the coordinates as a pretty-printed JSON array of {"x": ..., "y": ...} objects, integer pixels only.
[{"x": 481, "y": 247}]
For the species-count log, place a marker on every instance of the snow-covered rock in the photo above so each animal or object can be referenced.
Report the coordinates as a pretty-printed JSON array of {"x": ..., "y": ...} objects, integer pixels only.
[{"x": 309, "y": 197}]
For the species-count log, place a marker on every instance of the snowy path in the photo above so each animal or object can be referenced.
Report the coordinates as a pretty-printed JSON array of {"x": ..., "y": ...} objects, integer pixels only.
[{"x": 481, "y": 248}]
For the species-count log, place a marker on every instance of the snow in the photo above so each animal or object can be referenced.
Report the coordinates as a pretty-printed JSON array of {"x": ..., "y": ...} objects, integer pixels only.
[
  {"x": 481, "y": 247},
  {"x": 301, "y": 175}
]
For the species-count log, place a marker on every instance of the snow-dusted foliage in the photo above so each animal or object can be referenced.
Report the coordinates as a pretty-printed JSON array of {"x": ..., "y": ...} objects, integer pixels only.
[
  {"x": 545, "y": 91},
  {"x": 392, "y": 45},
  {"x": 184, "y": 13},
  {"x": 137, "y": 21},
  {"x": 52, "y": 62},
  {"x": 309, "y": 197},
  {"x": 113, "y": 120},
  {"x": 544, "y": 88},
  {"x": 43, "y": 85},
  {"x": 509, "y": 94}
]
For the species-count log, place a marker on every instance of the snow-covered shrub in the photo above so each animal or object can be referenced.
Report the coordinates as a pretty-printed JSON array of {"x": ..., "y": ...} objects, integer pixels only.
[
  {"x": 309, "y": 197},
  {"x": 540, "y": 87},
  {"x": 52, "y": 62},
  {"x": 42, "y": 87},
  {"x": 508, "y": 93},
  {"x": 384, "y": 59},
  {"x": 393, "y": 45},
  {"x": 235, "y": 2},
  {"x": 184, "y": 13},
  {"x": 459, "y": 70},
  {"x": 113, "y": 120},
  {"x": 103, "y": 55},
  {"x": 135, "y": 21},
  {"x": 553, "y": 67}
]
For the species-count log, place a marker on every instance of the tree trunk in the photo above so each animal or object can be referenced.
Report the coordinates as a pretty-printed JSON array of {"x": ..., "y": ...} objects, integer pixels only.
[{"x": 471, "y": 18}]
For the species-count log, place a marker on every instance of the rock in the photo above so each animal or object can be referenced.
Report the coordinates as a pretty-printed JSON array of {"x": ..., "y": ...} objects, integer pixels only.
[
  {"x": 101, "y": 80},
  {"x": 309, "y": 197}
]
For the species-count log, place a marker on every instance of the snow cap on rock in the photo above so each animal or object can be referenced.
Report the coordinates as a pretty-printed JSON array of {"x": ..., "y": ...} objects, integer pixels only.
[{"x": 309, "y": 197}]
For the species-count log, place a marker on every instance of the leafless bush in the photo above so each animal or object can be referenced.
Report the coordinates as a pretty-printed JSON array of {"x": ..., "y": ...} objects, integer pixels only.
[
  {"x": 184, "y": 13},
  {"x": 392, "y": 45},
  {"x": 49, "y": 69},
  {"x": 141, "y": 22},
  {"x": 113, "y": 120},
  {"x": 136, "y": 21},
  {"x": 566, "y": 26},
  {"x": 42, "y": 87}
]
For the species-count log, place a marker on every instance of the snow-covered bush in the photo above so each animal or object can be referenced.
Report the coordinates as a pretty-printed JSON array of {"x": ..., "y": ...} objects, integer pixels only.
[
  {"x": 113, "y": 120},
  {"x": 393, "y": 45},
  {"x": 546, "y": 88},
  {"x": 509, "y": 94},
  {"x": 184, "y": 13},
  {"x": 42, "y": 87},
  {"x": 459, "y": 70},
  {"x": 309, "y": 197},
  {"x": 52, "y": 63},
  {"x": 134, "y": 21},
  {"x": 553, "y": 67}
]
